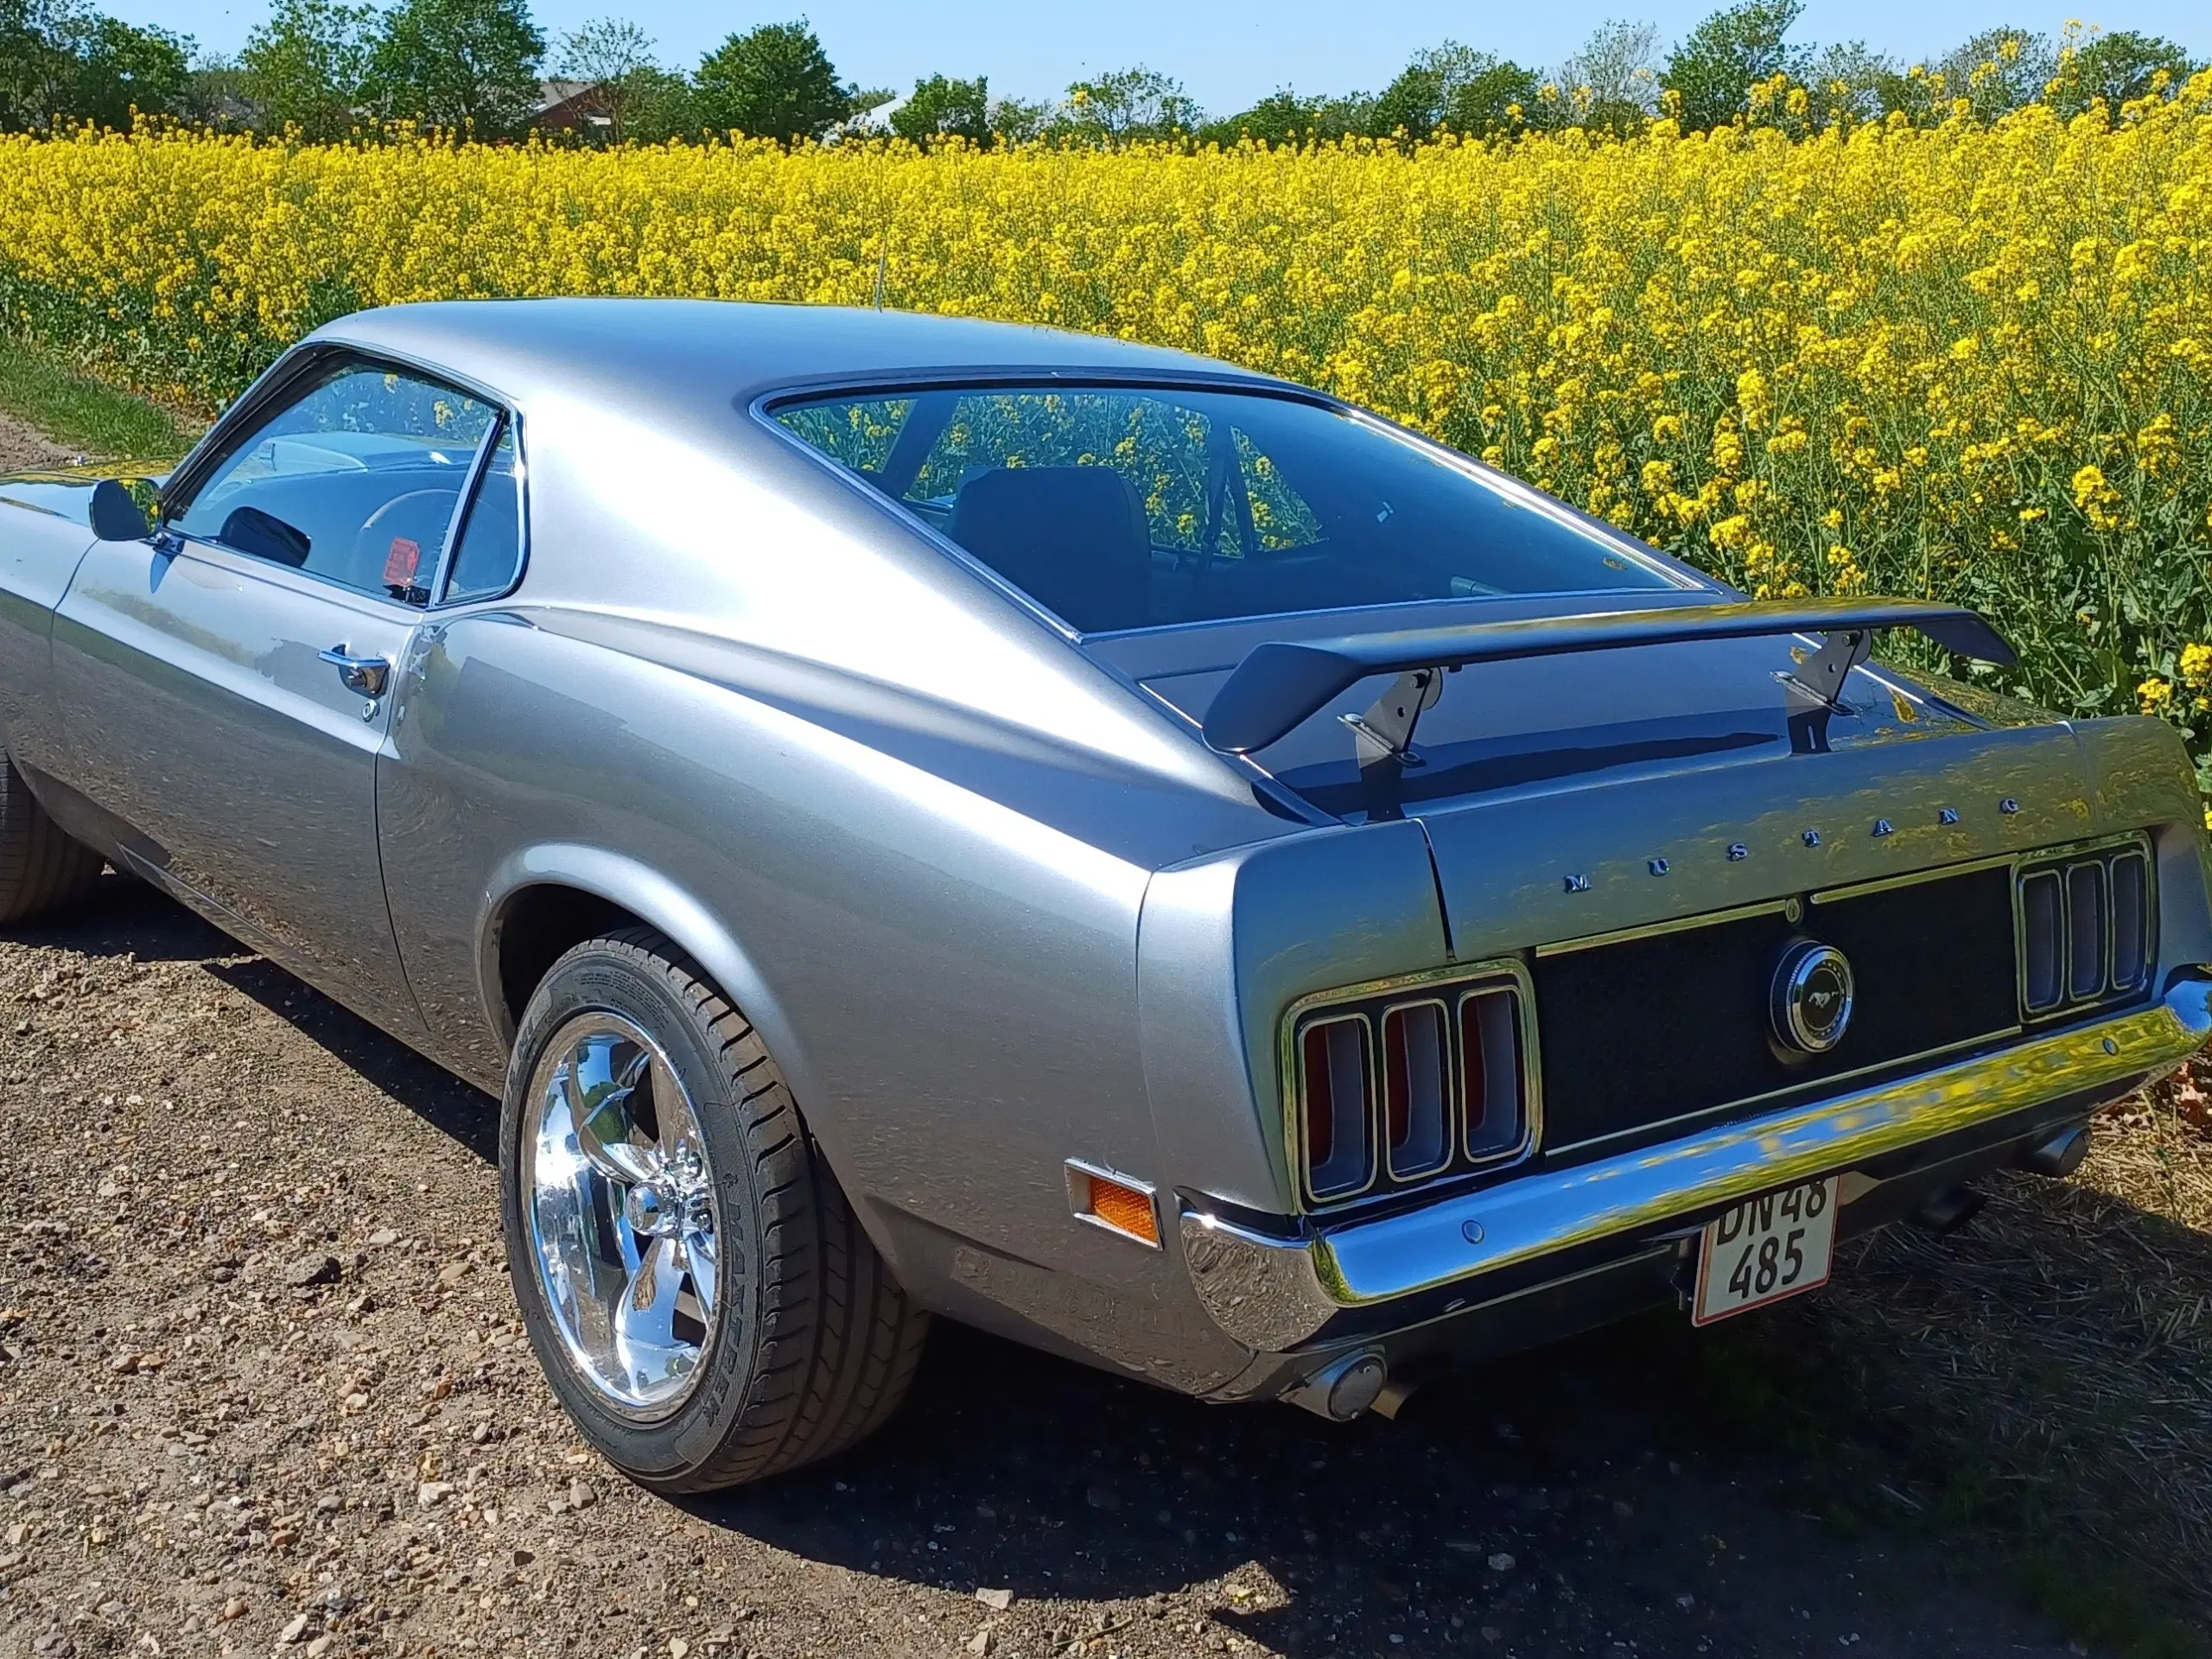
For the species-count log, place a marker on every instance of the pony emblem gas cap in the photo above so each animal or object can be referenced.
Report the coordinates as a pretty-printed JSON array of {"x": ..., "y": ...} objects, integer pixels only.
[{"x": 1812, "y": 997}]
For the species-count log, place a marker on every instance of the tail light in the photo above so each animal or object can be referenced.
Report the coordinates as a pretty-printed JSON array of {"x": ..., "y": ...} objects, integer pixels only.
[
  {"x": 1391, "y": 1089},
  {"x": 2130, "y": 919},
  {"x": 1339, "y": 1099},
  {"x": 1493, "y": 1079},
  {"x": 2086, "y": 923},
  {"x": 2085, "y": 930},
  {"x": 2042, "y": 913},
  {"x": 1417, "y": 1089}
]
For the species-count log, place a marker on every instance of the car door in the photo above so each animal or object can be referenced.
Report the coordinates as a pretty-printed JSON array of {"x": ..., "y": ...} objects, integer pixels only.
[{"x": 225, "y": 683}]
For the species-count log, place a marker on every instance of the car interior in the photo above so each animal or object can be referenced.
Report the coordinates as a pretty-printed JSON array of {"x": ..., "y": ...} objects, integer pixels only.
[
  {"x": 1127, "y": 508},
  {"x": 356, "y": 482}
]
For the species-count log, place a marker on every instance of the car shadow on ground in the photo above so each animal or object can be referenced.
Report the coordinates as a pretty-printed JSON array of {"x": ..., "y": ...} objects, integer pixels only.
[
  {"x": 1735, "y": 1489},
  {"x": 126, "y": 917}
]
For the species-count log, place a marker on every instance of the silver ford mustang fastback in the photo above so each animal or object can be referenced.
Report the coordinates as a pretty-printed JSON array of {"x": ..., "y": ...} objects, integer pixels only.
[{"x": 917, "y": 816}]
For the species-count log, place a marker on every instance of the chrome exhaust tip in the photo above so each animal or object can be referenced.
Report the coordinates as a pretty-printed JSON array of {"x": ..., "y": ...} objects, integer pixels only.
[
  {"x": 2061, "y": 1155},
  {"x": 1344, "y": 1388}
]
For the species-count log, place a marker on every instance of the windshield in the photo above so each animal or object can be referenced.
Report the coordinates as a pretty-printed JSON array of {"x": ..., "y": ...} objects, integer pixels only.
[{"x": 1138, "y": 508}]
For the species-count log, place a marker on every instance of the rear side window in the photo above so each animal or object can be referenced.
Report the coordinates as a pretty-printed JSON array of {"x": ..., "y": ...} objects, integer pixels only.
[
  {"x": 1125, "y": 507},
  {"x": 357, "y": 480}
]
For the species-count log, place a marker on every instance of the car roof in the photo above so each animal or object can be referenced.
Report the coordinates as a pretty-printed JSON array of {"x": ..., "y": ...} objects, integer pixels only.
[{"x": 689, "y": 352}]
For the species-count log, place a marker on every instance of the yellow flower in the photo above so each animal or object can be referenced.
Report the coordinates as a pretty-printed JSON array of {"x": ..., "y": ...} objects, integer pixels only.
[{"x": 1921, "y": 355}]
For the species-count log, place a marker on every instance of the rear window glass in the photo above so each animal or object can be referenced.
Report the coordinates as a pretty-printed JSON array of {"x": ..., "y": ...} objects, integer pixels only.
[{"x": 1135, "y": 507}]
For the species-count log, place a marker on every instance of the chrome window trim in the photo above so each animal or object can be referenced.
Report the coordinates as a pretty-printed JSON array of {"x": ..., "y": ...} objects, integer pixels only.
[
  {"x": 1455, "y": 981},
  {"x": 276, "y": 384},
  {"x": 275, "y": 390},
  {"x": 763, "y": 410},
  {"x": 510, "y": 420},
  {"x": 1454, "y": 1109}
]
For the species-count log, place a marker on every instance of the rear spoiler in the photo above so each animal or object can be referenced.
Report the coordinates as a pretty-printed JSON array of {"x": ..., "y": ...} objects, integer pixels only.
[{"x": 1281, "y": 684}]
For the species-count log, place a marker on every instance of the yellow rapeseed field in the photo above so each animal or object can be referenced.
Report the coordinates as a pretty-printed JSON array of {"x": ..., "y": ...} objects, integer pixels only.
[{"x": 1970, "y": 360}]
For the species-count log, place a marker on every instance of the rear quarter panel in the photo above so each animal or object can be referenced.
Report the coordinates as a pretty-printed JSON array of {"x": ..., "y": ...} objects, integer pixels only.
[{"x": 900, "y": 898}]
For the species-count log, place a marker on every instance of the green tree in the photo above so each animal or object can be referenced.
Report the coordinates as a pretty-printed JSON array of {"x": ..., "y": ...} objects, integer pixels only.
[
  {"x": 59, "y": 60},
  {"x": 1614, "y": 81},
  {"x": 2117, "y": 68},
  {"x": 663, "y": 105},
  {"x": 1456, "y": 86},
  {"x": 1997, "y": 71},
  {"x": 1286, "y": 117},
  {"x": 457, "y": 64},
  {"x": 942, "y": 108},
  {"x": 214, "y": 95},
  {"x": 616, "y": 56},
  {"x": 1019, "y": 120},
  {"x": 1125, "y": 106},
  {"x": 121, "y": 68},
  {"x": 1851, "y": 82},
  {"x": 1712, "y": 70},
  {"x": 304, "y": 65},
  {"x": 37, "y": 66},
  {"x": 771, "y": 82}
]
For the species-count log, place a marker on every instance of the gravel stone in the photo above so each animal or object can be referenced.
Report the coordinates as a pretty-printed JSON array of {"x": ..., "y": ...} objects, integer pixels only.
[
  {"x": 313, "y": 1269},
  {"x": 270, "y": 1128}
]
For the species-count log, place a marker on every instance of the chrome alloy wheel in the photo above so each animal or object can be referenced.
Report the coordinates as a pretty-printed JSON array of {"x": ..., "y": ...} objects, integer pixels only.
[{"x": 622, "y": 1213}]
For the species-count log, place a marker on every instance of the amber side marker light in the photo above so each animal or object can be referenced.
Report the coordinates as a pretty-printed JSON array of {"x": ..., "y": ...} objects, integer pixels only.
[{"x": 1118, "y": 1203}]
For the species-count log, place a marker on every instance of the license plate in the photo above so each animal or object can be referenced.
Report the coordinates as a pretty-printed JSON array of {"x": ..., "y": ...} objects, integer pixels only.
[{"x": 1764, "y": 1249}]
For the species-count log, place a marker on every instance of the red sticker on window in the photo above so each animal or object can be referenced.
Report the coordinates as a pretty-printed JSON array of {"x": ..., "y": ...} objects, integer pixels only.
[{"x": 400, "y": 564}]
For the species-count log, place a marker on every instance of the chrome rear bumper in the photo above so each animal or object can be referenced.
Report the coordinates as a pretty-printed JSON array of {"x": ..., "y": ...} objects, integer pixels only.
[{"x": 1274, "y": 1292}]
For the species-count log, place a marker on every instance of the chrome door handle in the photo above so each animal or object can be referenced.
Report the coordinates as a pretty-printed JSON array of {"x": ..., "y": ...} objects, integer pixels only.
[{"x": 364, "y": 676}]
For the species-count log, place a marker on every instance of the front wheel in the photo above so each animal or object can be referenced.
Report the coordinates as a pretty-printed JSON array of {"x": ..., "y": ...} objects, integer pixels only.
[
  {"x": 42, "y": 867},
  {"x": 702, "y": 1299}
]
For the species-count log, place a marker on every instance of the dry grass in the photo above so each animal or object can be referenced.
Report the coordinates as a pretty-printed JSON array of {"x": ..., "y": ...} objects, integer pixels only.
[{"x": 2043, "y": 1377}]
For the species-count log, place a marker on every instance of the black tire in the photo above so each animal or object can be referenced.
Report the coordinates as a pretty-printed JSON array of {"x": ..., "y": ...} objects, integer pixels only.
[
  {"x": 815, "y": 1347},
  {"x": 42, "y": 867}
]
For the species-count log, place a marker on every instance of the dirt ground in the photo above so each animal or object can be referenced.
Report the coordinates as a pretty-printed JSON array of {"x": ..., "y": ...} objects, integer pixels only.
[
  {"x": 263, "y": 1389},
  {"x": 21, "y": 448}
]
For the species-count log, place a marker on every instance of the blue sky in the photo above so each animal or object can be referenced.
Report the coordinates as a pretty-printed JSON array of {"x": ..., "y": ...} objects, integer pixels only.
[{"x": 1227, "y": 52}]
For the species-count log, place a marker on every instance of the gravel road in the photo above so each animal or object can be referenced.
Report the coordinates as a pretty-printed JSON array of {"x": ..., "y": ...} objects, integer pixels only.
[{"x": 263, "y": 1389}]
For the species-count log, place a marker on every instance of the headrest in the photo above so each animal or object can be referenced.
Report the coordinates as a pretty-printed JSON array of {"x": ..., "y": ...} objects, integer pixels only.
[{"x": 1073, "y": 539}]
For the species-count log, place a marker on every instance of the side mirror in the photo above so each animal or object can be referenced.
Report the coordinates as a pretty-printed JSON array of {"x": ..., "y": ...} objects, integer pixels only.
[{"x": 116, "y": 516}]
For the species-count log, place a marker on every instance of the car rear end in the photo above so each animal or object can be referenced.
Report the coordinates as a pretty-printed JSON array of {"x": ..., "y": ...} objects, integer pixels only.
[
  {"x": 1609, "y": 940},
  {"x": 1691, "y": 1029}
]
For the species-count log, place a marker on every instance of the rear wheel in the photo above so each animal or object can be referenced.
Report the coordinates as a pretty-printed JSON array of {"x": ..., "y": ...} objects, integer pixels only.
[
  {"x": 42, "y": 867},
  {"x": 698, "y": 1289}
]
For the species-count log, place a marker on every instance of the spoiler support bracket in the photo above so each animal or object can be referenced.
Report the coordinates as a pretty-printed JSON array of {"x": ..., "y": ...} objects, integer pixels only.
[{"x": 1382, "y": 738}]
